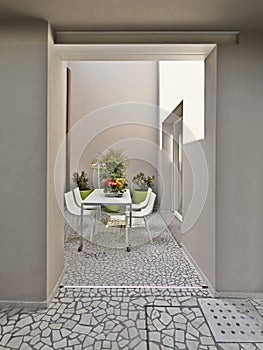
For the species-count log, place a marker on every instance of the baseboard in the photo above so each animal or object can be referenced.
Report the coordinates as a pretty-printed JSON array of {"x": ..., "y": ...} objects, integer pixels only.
[
  {"x": 33, "y": 304},
  {"x": 214, "y": 293},
  {"x": 241, "y": 295},
  {"x": 201, "y": 273},
  {"x": 54, "y": 291},
  {"x": 24, "y": 304}
]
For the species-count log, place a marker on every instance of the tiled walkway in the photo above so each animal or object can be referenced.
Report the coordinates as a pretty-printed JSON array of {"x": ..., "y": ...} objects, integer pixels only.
[
  {"x": 160, "y": 263},
  {"x": 134, "y": 318}
]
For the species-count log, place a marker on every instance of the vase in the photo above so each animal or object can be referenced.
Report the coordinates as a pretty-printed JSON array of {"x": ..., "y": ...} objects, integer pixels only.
[
  {"x": 138, "y": 195},
  {"x": 113, "y": 208},
  {"x": 85, "y": 193},
  {"x": 113, "y": 194}
]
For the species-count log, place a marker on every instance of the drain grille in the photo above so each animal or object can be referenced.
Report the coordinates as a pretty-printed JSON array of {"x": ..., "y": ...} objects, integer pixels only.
[{"x": 233, "y": 320}]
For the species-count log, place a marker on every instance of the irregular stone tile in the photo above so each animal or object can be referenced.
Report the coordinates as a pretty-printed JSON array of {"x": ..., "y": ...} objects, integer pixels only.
[
  {"x": 24, "y": 322},
  {"x": 207, "y": 341},
  {"x": 15, "y": 342},
  {"x": 82, "y": 329},
  {"x": 46, "y": 341},
  {"x": 5, "y": 339},
  {"x": 25, "y": 346},
  {"x": 165, "y": 319},
  {"x": 7, "y": 329},
  {"x": 192, "y": 344},
  {"x": 88, "y": 341},
  {"x": 140, "y": 346}
]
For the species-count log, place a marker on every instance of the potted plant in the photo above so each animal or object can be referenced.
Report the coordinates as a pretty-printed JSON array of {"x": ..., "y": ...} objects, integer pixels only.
[
  {"x": 81, "y": 180},
  {"x": 142, "y": 183},
  {"x": 114, "y": 165}
]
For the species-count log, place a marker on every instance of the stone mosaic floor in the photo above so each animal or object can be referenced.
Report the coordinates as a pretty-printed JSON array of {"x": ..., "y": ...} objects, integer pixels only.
[
  {"x": 125, "y": 318},
  {"x": 188, "y": 327},
  {"x": 158, "y": 263},
  {"x": 115, "y": 319}
]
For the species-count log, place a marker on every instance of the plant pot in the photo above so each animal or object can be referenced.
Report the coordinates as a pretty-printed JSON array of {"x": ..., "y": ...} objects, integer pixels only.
[
  {"x": 112, "y": 208},
  {"x": 139, "y": 195},
  {"x": 85, "y": 193}
]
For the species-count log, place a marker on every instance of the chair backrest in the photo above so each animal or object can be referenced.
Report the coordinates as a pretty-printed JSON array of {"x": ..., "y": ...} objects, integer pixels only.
[
  {"x": 70, "y": 203},
  {"x": 77, "y": 196},
  {"x": 149, "y": 208},
  {"x": 144, "y": 203}
]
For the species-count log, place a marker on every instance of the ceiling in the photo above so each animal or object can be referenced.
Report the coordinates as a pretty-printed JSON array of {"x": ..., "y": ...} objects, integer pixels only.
[{"x": 244, "y": 15}]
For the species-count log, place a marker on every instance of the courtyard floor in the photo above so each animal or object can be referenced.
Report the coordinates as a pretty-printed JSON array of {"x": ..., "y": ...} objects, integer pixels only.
[{"x": 163, "y": 303}]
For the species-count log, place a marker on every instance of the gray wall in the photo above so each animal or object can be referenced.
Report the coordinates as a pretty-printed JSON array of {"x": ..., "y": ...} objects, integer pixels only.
[
  {"x": 23, "y": 147},
  {"x": 97, "y": 85},
  {"x": 200, "y": 239},
  {"x": 239, "y": 223}
]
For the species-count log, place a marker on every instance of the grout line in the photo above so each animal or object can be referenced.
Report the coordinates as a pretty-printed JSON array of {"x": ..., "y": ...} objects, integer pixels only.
[
  {"x": 133, "y": 287},
  {"x": 146, "y": 327}
]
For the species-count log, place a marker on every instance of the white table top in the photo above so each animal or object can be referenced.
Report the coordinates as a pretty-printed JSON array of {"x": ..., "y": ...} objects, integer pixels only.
[{"x": 98, "y": 197}]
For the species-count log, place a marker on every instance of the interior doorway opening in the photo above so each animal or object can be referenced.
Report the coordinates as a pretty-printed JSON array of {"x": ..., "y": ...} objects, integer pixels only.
[
  {"x": 177, "y": 131},
  {"x": 172, "y": 143}
]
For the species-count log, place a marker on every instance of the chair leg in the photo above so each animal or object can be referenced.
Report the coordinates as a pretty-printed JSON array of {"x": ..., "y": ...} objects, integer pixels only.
[
  {"x": 147, "y": 228},
  {"x": 98, "y": 213},
  {"x": 94, "y": 228},
  {"x": 80, "y": 249}
]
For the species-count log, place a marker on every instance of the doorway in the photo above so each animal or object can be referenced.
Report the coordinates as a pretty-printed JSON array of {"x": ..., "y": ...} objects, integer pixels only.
[{"x": 176, "y": 158}]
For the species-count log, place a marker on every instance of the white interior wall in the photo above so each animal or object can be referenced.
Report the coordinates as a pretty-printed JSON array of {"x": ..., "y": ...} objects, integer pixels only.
[
  {"x": 199, "y": 240},
  {"x": 113, "y": 102},
  {"x": 183, "y": 81}
]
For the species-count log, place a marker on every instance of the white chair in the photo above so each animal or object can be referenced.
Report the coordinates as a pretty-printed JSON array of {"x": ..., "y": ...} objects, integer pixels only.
[
  {"x": 75, "y": 211},
  {"x": 144, "y": 203},
  {"x": 144, "y": 213},
  {"x": 79, "y": 200}
]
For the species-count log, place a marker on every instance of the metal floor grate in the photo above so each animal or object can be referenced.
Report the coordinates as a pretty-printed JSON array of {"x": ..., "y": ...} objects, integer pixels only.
[{"x": 233, "y": 320}]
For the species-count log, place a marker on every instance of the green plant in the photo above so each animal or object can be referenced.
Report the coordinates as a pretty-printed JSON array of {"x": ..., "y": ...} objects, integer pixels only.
[
  {"x": 81, "y": 179},
  {"x": 115, "y": 164},
  {"x": 143, "y": 181}
]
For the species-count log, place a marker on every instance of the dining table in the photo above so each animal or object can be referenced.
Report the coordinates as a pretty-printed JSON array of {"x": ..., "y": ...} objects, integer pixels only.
[{"x": 99, "y": 198}]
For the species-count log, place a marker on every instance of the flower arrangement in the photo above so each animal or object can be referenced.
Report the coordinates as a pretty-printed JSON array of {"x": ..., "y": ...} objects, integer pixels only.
[{"x": 115, "y": 185}]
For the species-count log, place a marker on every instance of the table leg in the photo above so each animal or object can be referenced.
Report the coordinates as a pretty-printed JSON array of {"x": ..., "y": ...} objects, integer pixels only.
[
  {"x": 81, "y": 229},
  {"x": 128, "y": 229},
  {"x": 130, "y": 215},
  {"x": 94, "y": 226}
]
